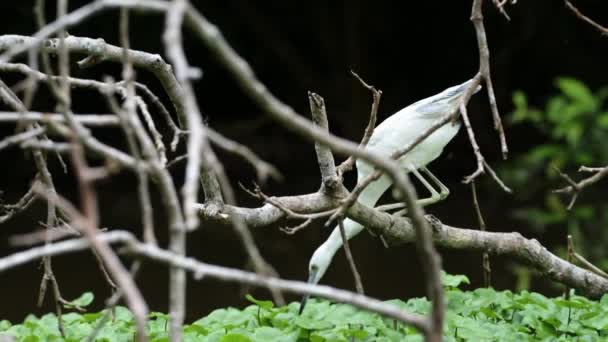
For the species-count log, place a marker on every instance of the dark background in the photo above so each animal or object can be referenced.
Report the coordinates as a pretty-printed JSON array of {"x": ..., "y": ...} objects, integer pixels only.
[{"x": 409, "y": 49}]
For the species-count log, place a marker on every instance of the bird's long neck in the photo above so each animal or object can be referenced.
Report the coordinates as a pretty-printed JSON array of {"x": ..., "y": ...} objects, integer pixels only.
[{"x": 368, "y": 197}]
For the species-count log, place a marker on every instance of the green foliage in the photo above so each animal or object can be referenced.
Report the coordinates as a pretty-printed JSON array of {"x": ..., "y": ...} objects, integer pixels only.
[
  {"x": 450, "y": 281},
  {"x": 479, "y": 315},
  {"x": 574, "y": 124},
  {"x": 83, "y": 301}
]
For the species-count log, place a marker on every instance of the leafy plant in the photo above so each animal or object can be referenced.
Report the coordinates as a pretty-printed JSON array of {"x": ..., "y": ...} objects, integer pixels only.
[
  {"x": 480, "y": 315},
  {"x": 574, "y": 124}
]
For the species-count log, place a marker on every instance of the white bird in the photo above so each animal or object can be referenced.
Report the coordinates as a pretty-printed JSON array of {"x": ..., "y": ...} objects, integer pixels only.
[{"x": 394, "y": 133}]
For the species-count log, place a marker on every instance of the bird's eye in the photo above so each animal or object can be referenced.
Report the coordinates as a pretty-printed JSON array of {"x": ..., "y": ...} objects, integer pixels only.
[{"x": 314, "y": 268}]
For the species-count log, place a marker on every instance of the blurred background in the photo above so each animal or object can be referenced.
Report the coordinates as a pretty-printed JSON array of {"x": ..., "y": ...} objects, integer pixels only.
[{"x": 548, "y": 68}]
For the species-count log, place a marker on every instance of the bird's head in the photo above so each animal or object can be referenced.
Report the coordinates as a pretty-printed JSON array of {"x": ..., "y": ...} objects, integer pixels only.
[
  {"x": 443, "y": 103},
  {"x": 319, "y": 262}
]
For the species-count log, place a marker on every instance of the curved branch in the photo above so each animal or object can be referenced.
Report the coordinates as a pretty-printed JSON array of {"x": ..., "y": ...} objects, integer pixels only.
[
  {"x": 399, "y": 230},
  {"x": 201, "y": 269}
]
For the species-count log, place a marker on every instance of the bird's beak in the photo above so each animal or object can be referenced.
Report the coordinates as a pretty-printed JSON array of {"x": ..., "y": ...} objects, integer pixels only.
[
  {"x": 303, "y": 304},
  {"x": 311, "y": 280}
]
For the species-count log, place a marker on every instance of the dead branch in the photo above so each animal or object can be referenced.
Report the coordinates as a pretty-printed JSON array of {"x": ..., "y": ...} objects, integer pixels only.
[
  {"x": 603, "y": 30},
  {"x": 399, "y": 230},
  {"x": 242, "y": 72},
  {"x": 200, "y": 269},
  {"x": 348, "y": 164},
  {"x": 575, "y": 188}
]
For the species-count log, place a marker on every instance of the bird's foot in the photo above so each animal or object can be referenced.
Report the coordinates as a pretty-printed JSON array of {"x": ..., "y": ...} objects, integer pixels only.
[{"x": 436, "y": 224}]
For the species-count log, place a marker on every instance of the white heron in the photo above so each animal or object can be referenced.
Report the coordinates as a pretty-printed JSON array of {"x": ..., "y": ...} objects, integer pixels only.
[{"x": 394, "y": 133}]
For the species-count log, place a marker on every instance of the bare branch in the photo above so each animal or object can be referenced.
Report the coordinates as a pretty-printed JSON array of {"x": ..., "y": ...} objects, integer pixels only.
[
  {"x": 128, "y": 115},
  {"x": 263, "y": 169},
  {"x": 484, "y": 70},
  {"x": 487, "y": 272},
  {"x": 197, "y": 143},
  {"x": 92, "y": 239},
  {"x": 21, "y": 137},
  {"x": 351, "y": 260},
  {"x": 325, "y": 158},
  {"x": 500, "y": 5},
  {"x": 91, "y": 120},
  {"x": 572, "y": 253},
  {"x": 603, "y": 30},
  {"x": 75, "y": 18},
  {"x": 200, "y": 269},
  {"x": 399, "y": 230},
  {"x": 348, "y": 164},
  {"x": 575, "y": 188},
  {"x": 8, "y": 211}
]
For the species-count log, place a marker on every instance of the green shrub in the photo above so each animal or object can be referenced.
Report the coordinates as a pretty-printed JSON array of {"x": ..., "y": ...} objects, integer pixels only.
[
  {"x": 574, "y": 126},
  {"x": 479, "y": 315}
]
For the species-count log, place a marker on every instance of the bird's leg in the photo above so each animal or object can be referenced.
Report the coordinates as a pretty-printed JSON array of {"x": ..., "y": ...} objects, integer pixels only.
[
  {"x": 443, "y": 190},
  {"x": 434, "y": 198}
]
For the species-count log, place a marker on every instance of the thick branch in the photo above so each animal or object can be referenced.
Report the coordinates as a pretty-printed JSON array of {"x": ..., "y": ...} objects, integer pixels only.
[
  {"x": 325, "y": 158},
  {"x": 399, "y": 230},
  {"x": 244, "y": 75}
]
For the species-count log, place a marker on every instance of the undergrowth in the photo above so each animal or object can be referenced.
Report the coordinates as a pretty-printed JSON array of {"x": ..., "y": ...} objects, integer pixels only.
[{"x": 483, "y": 314}]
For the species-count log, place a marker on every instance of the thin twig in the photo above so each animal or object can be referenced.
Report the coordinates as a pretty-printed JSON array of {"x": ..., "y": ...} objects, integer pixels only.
[
  {"x": 20, "y": 137},
  {"x": 467, "y": 124},
  {"x": 133, "y": 297},
  {"x": 46, "y": 178},
  {"x": 91, "y": 120},
  {"x": 289, "y": 214},
  {"x": 499, "y": 4},
  {"x": 128, "y": 115},
  {"x": 575, "y": 188},
  {"x": 111, "y": 304},
  {"x": 351, "y": 260},
  {"x": 603, "y": 30},
  {"x": 348, "y": 164},
  {"x": 487, "y": 271},
  {"x": 200, "y": 269},
  {"x": 9, "y": 211},
  {"x": 484, "y": 70},
  {"x": 263, "y": 169}
]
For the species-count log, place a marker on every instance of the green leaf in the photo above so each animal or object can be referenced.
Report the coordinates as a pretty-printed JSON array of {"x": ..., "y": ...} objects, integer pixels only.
[
  {"x": 574, "y": 134},
  {"x": 554, "y": 109},
  {"x": 453, "y": 281},
  {"x": 542, "y": 153},
  {"x": 263, "y": 334},
  {"x": 521, "y": 106},
  {"x": 602, "y": 120},
  {"x": 598, "y": 322},
  {"x": 4, "y": 325},
  {"x": 312, "y": 324},
  {"x": 264, "y": 304},
  {"x": 196, "y": 329},
  {"x": 84, "y": 300},
  {"x": 235, "y": 338},
  {"x": 578, "y": 92},
  {"x": 519, "y": 100}
]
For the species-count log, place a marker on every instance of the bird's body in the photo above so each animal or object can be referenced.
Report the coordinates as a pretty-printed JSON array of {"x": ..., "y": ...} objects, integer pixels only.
[{"x": 396, "y": 132}]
